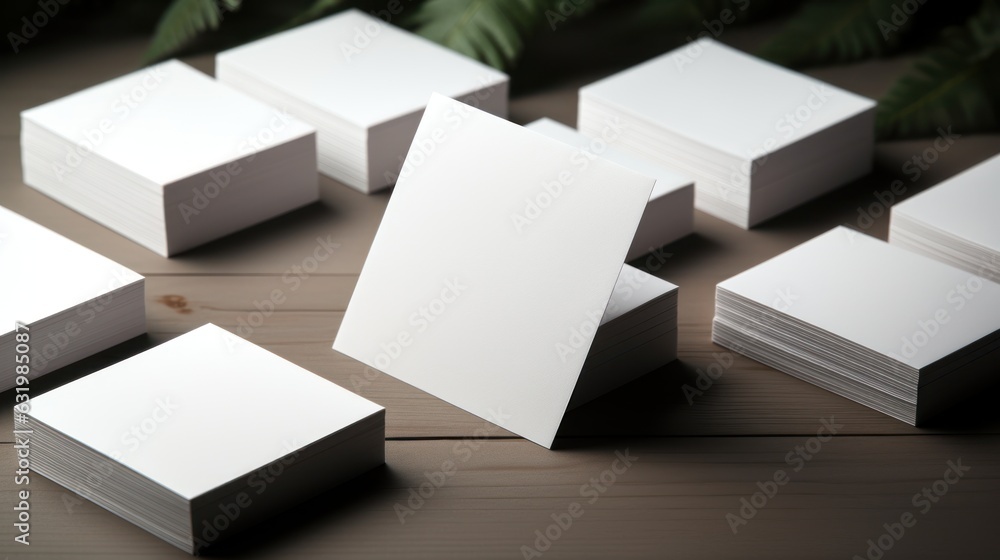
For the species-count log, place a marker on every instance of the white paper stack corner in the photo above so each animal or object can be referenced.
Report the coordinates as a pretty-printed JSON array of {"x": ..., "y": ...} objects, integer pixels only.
[
  {"x": 169, "y": 157},
  {"x": 757, "y": 138},
  {"x": 637, "y": 334},
  {"x": 503, "y": 311},
  {"x": 363, "y": 83},
  {"x": 669, "y": 213},
  {"x": 896, "y": 331},
  {"x": 956, "y": 221},
  {"x": 203, "y": 436},
  {"x": 73, "y": 301}
]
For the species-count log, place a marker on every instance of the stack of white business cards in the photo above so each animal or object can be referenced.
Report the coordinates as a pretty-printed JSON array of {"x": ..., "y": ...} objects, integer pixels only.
[
  {"x": 70, "y": 301},
  {"x": 508, "y": 281},
  {"x": 168, "y": 157},
  {"x": 956, "y": 221},
  {"x": 893, "y": 330},
  {"x": 203, "y": 436},
  {"x": 758, "y": 139},
  {"x": 669, "y": 213},
  {"x": 363, "y": 83},
  {"x": 636, "y": 334}
]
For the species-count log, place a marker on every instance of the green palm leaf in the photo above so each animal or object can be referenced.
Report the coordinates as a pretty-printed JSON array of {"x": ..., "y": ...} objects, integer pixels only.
[
  {"x": 183, "y": 21},
  {"x": 688, "y": 14},
  {"x": 489, "y": 30},
  {"x": 839, "y": 31},
  {"x": 954, "y": 84},
  {"x": 315, "y": 10}
]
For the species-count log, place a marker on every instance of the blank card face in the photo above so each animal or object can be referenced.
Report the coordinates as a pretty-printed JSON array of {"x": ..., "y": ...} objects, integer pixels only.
[
  {"x": 166, "y": 122},
  {"x": 358, "y": 67},
  {"x": 222, "y": 407},
  {"x": 875, "y": 294},
  {"x": 965, "y": 205},
  {"x": 493, "y": 265},
  {"x": 44, "y": 273},
  {"x": 750, "y": 101}
]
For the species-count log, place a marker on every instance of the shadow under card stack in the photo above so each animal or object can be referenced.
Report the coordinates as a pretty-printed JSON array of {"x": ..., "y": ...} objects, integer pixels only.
[
  {"x": 68, "y": 317},
  {"x": 203, "y": 436},
  {"x": 363, "y": 83},
  {"x": 757, "y": 138},
  {"x": 893, "y": 330},
  {"x": 169, "y": 157}
]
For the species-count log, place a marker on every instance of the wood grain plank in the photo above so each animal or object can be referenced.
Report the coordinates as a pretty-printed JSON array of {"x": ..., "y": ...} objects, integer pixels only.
[
  {"x": 671, "y": 502},
  {"x": 746, "y": 399}
]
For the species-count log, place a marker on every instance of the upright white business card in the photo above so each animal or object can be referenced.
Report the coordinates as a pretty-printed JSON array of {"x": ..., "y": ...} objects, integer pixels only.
[{"x": 496, "y": 251}]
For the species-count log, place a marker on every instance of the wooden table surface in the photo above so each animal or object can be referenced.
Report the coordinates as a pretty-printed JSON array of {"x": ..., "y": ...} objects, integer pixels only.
[{"x": 694, "y": 460}]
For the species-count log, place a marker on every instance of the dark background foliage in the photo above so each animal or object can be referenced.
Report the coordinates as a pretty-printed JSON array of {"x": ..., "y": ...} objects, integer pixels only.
[{"x": 955, "y": 77}]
